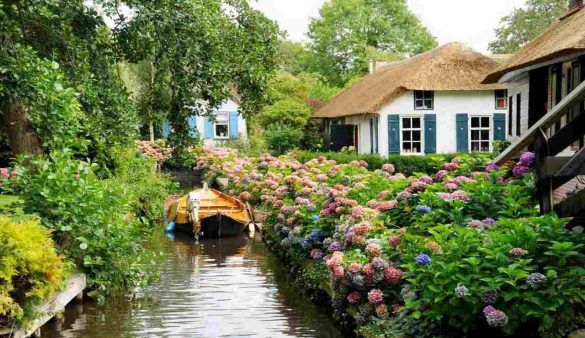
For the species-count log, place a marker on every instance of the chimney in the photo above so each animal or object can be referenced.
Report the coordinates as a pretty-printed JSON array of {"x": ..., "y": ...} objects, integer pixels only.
[{"x": 575, "y": 4}]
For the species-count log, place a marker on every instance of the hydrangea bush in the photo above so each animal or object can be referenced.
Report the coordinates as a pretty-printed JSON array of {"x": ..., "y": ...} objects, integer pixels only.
[{"x": 450, "y": 252}]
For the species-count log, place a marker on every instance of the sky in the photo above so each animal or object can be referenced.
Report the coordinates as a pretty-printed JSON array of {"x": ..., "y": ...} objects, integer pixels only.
[{"x": 468, "y": 21}]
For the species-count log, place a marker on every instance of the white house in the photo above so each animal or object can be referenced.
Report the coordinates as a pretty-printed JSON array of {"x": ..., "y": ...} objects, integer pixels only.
[
  {"x": 225, "y": 124},
  {"x": 431, "y": 103}
]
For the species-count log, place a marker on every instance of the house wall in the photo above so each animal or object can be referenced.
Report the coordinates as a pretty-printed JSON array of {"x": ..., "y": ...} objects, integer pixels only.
[
  {"x": 517, "y": 87},
  {"x": 228, "y": 106},
  {"x": 447, "y": 104},
  {"x": 363, "y": 123}
]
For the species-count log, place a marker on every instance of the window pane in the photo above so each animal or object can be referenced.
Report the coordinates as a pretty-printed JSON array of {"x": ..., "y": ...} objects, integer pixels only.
[
  {"x": 428, "y": 104},
  {"x": 485, "y": 146},
  {"x": 416, "y": 123},
  {"x": 406, "y": 146},
  {"x": 406, "y": 123},
  {"x": 416, "y": 135},
  {"x": 221, "y": 130},
  {"x": 485, "y": 122},
  {"x": 406, "y": 136},
  {"x": 474, "y": 146},
  {"x": 419, "y": 104},
  {"x": 474, "y": 122},
  {"x": 428, "y": 95},
  {"x": 485, "y": 135},
  {"x": 418, "y": 95},
  {"x": 475, "y": 135},
  {"x": 416, "y": 147}
]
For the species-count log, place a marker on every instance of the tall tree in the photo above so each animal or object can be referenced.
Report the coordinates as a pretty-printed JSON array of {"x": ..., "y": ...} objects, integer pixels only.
[
  {"x": 200, "y": 48},
  {"x": 524, "y": 24},
  {"x": 59, "y": 85},
  {"x": 346, "y": 31}
]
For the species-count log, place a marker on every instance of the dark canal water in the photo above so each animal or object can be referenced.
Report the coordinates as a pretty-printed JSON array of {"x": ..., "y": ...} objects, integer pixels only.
[{"x": 228, "y": 287}]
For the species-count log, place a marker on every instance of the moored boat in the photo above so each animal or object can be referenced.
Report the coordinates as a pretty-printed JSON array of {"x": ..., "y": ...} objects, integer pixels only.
[{"x": 207, "y": 212}]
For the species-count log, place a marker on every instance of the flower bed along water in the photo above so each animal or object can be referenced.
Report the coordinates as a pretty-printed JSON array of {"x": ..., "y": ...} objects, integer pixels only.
[{"x": 436, "y": 254}]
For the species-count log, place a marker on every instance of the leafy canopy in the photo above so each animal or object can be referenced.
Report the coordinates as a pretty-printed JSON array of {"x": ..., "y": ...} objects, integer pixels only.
[
  {"x": 199, "y": 49},
  {"x": 349, "y": 32},
  {"x": 525, "y": 24}
]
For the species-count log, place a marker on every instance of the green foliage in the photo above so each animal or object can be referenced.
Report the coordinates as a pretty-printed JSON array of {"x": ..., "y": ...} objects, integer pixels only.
[
  {"x": 253, "y": 146},
  {"x": 481, "y": 261},
  {"x": 346, "y": 32},
  {"x": 198, "y": 49},
  {"x": 288, "y": 111},
  {"x": 92, "y": 220},
  {"x": 282, "y": 138},
  {"x": 294, "y": 57},
  {"x": 30, "y": 269},
  {"x": 147, "y": 188},
  {"x": 525, "y": 24},
  {"x": 76, "y": 98},
  {"x": 500, "y": 146}
]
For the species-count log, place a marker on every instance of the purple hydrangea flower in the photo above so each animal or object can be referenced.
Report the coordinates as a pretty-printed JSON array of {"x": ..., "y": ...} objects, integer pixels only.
[
  {"x": 491, "y": 167},
  {"x": 488, "y": 222},
  {"x": 461, "y": 291},
  {"x": 335, "y": 246},
  {"x": 488, "y": 309},
  {"x": 423, "y": 209},
  {"x": 527, "y": 159},
  {"x": 497, "y": 318},
  {"x": 535, "y": 280},
  {"x": 520, "y": 169},
  {"x": 423, "y": 259},
  {"x": 490, "y": 297}
]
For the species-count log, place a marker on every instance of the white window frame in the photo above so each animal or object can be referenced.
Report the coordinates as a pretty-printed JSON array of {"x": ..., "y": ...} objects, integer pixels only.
[
  {"x": 422, "y": 134},
  {"x": 226, "y": 123},
  {"x": 490, "y": 130}
]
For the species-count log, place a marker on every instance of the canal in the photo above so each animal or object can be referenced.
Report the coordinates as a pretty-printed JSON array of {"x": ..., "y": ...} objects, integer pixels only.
[{"x": 228, "y": 287}]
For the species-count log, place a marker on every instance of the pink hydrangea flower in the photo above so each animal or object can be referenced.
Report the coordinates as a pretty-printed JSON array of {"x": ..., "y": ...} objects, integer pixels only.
[{"x": 375, "y": 296}]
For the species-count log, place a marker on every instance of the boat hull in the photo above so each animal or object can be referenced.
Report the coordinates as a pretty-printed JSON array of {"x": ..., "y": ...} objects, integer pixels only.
[{"x": 213, "y": 227}]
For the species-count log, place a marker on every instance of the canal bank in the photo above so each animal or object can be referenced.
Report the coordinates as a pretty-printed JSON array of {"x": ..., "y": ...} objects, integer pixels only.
[{"x": 216, "y": 287}]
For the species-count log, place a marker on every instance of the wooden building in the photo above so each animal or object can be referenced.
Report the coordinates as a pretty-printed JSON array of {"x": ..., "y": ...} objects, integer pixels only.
[{"x": 546, "y": 86}]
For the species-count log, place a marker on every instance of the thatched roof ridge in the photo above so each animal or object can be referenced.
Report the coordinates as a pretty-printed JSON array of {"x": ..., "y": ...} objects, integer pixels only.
[
  {"x": 452, "y": 67},
  {"x": 564, "y": 37}
]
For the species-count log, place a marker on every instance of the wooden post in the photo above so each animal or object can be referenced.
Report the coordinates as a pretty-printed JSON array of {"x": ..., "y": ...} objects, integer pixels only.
[{"x": 544, "y": 181}]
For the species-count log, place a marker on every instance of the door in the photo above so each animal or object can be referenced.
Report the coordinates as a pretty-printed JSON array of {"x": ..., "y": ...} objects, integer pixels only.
[{"x": 343, "y": 135}]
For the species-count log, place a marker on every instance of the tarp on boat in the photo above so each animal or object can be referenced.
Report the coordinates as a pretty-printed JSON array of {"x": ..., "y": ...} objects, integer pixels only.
[{"x": 205, "y": 203}]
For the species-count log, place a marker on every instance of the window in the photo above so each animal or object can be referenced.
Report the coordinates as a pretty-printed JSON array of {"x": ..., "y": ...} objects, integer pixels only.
[
  {"x": 510, "y": 115},
  {"x": 480, "y": 133},
  {"x": 501, "y": 99},
  {"x": 518, "y": 113},
  {"x": 423, "y": 99},
  {"x": 222, "y": 125},
  {"x": 412, "y": 135}
]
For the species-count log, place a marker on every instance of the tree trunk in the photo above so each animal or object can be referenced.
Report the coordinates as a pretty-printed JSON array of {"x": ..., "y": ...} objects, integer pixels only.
[
  {"x": 21, "y": 137},
  {"x": 150, "y": 124}
]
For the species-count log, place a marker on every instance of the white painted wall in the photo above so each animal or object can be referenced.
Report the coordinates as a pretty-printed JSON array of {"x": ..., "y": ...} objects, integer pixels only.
[
  {"x": 228, "y": 106},
  {"x": 363, "y": 123},
  {"x": 518, "y": 86},
  {"x": 447, "y": 104}
]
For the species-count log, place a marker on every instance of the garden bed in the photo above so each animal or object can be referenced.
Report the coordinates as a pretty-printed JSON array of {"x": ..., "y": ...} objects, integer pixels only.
[{"x": 449, "y": 253}]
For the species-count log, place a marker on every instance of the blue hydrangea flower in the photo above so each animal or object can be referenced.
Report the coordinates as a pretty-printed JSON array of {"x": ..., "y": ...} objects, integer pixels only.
[
  {"x": 535, "y": 280},
  {"x": 306, "y": 243},
  {"x": 315, "y": 218},
  {"x": 316, "y": 235},
  {"x": 461, "y": 291},
  {"x": 423, "y": 259},
  {"x": 423, "y": 209}
]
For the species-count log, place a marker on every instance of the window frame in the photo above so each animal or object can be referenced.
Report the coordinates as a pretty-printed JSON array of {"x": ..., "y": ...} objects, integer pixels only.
[
  {"x": 432, "y": 99},
  {"x": 489, "y": 129},
  {"x": 226, "y": 123},
  {"x": 422, "y": 134},
  {"x": 505, "y": 98}
]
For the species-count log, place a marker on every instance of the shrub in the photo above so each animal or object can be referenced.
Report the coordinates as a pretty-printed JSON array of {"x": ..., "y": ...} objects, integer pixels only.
[
  {"x": 281, "y": 138},
  {"x": 92, "y": 220},
  {"x": 146, "y": 187},
  {"x": 30, "y": 269}
]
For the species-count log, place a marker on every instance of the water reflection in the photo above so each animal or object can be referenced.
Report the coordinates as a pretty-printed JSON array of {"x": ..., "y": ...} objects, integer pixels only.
[{"x": 218, "y": 287}]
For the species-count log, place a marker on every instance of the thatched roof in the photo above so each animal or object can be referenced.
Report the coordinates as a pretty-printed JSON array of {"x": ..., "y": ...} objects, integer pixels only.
[
  {"x": 564, "y": 37},
  {"x": 451, "y": 67}
]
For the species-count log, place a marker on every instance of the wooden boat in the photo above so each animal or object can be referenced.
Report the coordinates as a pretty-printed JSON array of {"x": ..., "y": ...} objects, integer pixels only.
[{"x": 207, "y": 212}]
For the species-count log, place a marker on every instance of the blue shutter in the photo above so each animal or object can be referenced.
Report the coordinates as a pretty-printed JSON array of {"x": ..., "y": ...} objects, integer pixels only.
[
  {"x": 193, "y": 126},
  {"x": 462, "y": 133},
  {"x": 430, "y": 134},
  {"x": 166, "y": 129},
  {"x": 394, "y": 134},
  {"x": 233, "y": 121},
  {"x": 209, "y": 132},
  {"x": 499, "y": 127}
]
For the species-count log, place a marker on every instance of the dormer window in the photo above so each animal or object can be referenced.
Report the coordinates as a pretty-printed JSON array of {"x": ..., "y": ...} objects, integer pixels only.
[
  {"x": 423, "y": 99},
  {"x": 501, "y": 99}
]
